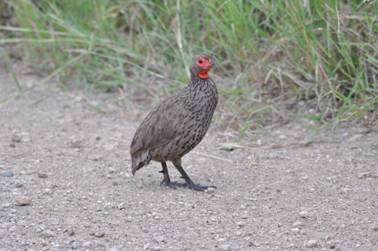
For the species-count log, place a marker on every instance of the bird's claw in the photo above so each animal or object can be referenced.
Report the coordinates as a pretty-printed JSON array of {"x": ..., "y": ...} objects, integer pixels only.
[{"x": 201, "y": 188}]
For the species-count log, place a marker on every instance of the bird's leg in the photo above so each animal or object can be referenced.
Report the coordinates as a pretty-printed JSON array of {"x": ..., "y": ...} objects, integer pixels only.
[
  {"x": 188, "y": 180},
  {"x": 166, "y": 180}
]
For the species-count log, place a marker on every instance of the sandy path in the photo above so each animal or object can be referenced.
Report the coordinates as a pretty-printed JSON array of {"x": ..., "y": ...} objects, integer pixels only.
[{"x": 72, "y": 164}]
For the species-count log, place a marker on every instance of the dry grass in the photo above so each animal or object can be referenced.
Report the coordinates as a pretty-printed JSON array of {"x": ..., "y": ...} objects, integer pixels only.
[{"x": 277, "y": 59}]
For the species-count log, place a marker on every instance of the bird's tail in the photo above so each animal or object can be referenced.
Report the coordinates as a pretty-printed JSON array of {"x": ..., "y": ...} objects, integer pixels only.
[{"x": 137, "y": 162}]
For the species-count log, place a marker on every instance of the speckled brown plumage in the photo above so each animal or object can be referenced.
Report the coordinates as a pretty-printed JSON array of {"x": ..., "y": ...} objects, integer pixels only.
[{"x": 177, "y": 124}]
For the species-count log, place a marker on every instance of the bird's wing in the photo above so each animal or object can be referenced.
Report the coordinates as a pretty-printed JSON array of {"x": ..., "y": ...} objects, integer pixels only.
[{"x": 157, "y": 128}]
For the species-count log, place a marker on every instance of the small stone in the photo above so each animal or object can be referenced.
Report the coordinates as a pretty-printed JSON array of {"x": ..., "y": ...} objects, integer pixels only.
[
  {"x": 147, "y": 246},
  {"x": 244, "y": 216},
  {"x": 121, "y": 206},
  {"x": 295, "y": 230},
  {"x": 42, "y": 175},
  {"x": 331, "y": 244},
  {"x": 304, "y": 214},
  {"x": 19, "y": 185},
  {"x": 40, "y": 228},
  {"x": 86, "y": 244},
  {"x": 13, "y": 145},
  {"x": 16, "y": 138},
  {"x": 5, "y": 205},
  {"x": 155, "y": 248},
  {"x": 57, "y": 248},
  {"x": 99, "y": 234},
  {"x": 7, "y": 173},
  {"x": 225, "y": 247},
  {"x": 239, "y": 233},
  {"x": 297, "y": 224},
  {"x": 159, "y": 238},
  {"x": 282, "y": 136},
  {"x": 75, "y": 244},
  {"x": 375, "y": 228},
  {"x": 311, "y": 244},
  {"x": 98, "y": 138},
  {"x": 240, "y": 224},
  {"x": 71, "y": 232},
  {"x": 109, "y": 146},
  {"x": 23, "y": 201},
  {"x": 48, "y": 233},
  {"x": 364, "y": 175},
  {"x": 76, "y": 144},
  {"x": 210, "y": 190}
]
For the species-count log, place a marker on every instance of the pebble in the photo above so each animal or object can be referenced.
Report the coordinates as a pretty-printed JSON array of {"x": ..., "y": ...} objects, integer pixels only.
[
  {"x": 225, "y": 247},
  {"x": 121, "y": 206},
  {"x": 331, "y": 244},
  {"x": 40, "y": 228},
  {"x": 304, "y": 214},
  {"x": 159, "y": 238},
  {"x": 42, "y": 175},
  {"x": 23, "y": 201},
  {"x": 155, "y": 248},
  {"x": 311, "y": 244},
  {"x": 244, "y": 216},
  {"x": 75, "y": 244},
  {"x": 7, "y": 173},
  {"x": 48, "y": 233},
  {"x": 364, "y": 175},
  {"x": 86, "y": 244},
  {"x": 5, "y": 205},
  {"x": 19, "y": 185},
  {"x": 16, "y": 138},
  {"x": 295, "y": 230},
  {"x": 210, "y": 190},
  {"x": 98, "y": 234},
  {"x": 71, "y": 232},
  {"x": 375, "y": 228},
  {"x": 297, "y": 224},
  {"x": 76, "y": 144}
]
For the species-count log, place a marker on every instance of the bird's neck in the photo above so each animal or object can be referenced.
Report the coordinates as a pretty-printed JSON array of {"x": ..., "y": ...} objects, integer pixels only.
[{"x": 198, "y": 81}]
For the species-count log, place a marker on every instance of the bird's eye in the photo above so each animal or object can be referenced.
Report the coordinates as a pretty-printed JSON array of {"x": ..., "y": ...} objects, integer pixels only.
[{"x": 200, "y": 61}]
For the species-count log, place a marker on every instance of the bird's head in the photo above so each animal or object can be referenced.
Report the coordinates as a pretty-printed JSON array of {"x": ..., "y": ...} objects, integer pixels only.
[{"x": 202, "y": 64}]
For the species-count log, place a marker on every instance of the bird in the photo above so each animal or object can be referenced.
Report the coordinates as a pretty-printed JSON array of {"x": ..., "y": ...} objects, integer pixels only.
[{"x": 178, "y": 124}]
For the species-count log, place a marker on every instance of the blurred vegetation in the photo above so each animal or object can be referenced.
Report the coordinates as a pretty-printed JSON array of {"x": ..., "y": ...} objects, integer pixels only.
[{"x": 276, "y": 59}]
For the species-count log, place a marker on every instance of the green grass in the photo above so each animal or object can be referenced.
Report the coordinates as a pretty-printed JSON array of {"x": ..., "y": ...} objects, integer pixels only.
[{"x": 271, "y": 54}]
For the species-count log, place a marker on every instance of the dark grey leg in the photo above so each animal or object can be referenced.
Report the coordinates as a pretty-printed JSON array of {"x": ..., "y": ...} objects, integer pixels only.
[
  {"x": 166, "y": 180},
  {"x": 187, "y": 179}
]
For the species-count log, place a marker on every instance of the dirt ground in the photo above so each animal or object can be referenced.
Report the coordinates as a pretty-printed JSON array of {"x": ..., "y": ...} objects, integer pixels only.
[{"x": 66, "y": 183}]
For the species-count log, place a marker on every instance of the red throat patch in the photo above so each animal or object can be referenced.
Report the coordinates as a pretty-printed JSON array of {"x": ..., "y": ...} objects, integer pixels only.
[{"x": 203, "y": 74}]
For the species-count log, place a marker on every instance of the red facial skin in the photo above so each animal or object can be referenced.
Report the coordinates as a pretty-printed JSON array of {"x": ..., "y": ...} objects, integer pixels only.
[{"x": 205, "y": 65}]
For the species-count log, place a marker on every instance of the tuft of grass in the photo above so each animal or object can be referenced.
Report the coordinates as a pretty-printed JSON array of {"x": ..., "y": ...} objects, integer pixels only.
[{"x": 272, "y": 55}]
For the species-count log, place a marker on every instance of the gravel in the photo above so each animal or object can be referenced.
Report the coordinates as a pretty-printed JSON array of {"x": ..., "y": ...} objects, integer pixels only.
[
  {"x": 42, "y": 175},
  {"x": 23, "y": 201},
  {"x": 304, "y": 214},
  {"x": 312, "y": 244},
  {"x": 7, "y": 173},
  {"x": 72, "y": 188}
]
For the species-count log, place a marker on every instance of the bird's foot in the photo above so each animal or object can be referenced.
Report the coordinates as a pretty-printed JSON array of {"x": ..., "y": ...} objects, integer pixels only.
[
  {"x": 175, "y": 185},
  {"x": 198, "y": 187},
  {"x": 167, "y": 183}
]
